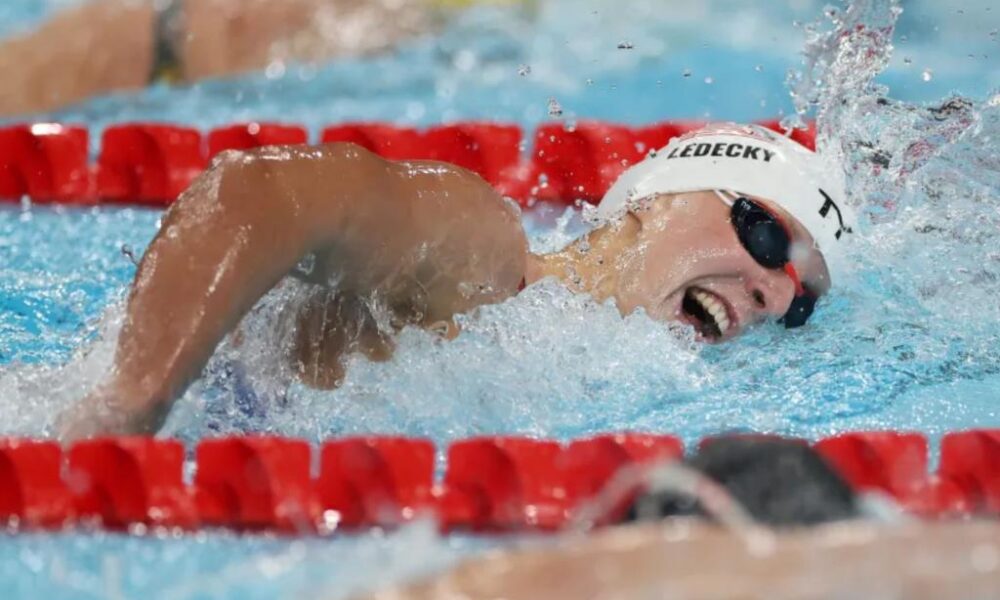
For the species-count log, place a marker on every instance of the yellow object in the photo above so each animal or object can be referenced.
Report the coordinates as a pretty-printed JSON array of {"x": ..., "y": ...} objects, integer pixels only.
[{"x": 170, "y": 74}]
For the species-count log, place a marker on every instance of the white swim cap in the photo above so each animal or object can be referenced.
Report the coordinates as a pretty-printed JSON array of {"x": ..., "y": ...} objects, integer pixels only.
[{"x": 750, "y": 160}]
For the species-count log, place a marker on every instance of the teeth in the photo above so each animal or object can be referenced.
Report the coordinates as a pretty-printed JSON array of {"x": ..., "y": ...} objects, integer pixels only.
[{"x": 714, "y": 308}]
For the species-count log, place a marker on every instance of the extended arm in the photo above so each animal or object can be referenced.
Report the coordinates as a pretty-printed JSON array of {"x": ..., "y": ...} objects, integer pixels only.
[
  {"x": 241, "y": 227},
  {"x": 386, "y": 228}
]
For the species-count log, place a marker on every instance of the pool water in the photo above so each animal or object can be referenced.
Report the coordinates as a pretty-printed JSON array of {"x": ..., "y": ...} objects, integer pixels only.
[{"x": 909, "y": 340}]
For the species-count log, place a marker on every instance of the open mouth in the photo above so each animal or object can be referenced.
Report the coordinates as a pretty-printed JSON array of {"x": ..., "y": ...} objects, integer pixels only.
[{"x": 707, "y": 312}]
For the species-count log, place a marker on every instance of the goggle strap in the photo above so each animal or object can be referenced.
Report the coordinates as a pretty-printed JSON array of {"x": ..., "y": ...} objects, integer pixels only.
[{"x": 800, "y": 290}]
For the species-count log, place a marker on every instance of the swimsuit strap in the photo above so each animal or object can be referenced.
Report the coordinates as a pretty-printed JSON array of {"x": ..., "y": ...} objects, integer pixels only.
[{"x": 168, "y": 27}]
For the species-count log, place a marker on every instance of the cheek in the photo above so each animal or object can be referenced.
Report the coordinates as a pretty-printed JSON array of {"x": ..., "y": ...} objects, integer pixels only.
[{"x": 690, "y": 253}]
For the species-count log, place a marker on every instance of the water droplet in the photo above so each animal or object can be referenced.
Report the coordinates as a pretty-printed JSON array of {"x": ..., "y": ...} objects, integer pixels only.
[
  {"x": 927, "y": 75},
  {"x": 275, "y": 70},
  {"x": 128, "y": 253},
  {"x": 686, "y": 72},
  {"x": 907, "y": 60},
  {"x": 524, "y": 70},
  {"x": 758, "y": 68},
  {"x": 590, "y": 81},
  {"x": 709, "y": 80},
  {"x": 555, "y": 109},
  {"x": 625, "y": 45}
]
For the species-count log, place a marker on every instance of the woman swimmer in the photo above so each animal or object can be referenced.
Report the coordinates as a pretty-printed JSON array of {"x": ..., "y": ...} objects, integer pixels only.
[{"x": 725, "y": 227}]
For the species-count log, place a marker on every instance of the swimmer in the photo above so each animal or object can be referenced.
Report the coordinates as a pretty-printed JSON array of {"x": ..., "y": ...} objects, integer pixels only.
[
  {"x": 106, "y": 46},
  {"x": 724, "y": 228}
]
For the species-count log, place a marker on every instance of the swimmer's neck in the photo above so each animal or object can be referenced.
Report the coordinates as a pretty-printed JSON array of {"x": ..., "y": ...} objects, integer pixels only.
[{"x": 595, "y": 264}]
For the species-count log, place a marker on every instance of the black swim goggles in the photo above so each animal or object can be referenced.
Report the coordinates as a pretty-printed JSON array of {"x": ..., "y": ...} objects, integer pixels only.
[{"x": 768, "y": 239}]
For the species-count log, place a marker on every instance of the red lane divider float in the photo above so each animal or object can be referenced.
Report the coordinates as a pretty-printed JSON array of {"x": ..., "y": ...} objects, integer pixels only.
[
  {"x": 583, "y": 161},
  {"x": 389, "y": 141},
  {"x": 126, "y": 481},
  {"x": 375, "y": 481},
  {"x": 32, "y": 491},
  {"x": 153, "y": 163},
  {"x": 895, "y": 464},
  {"x": 591, "y": 464},
  {"x": 255, "y": 483},
  {"x": 45, "y": 162},
  {"x": 506, "y": 483},
  {"x": 490, "y": 483},
  {"x": 254, "y": 135},
  {"x": 971, "y": 461}
]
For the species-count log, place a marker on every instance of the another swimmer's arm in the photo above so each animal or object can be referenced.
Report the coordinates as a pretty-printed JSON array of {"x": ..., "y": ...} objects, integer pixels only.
[
  {"x": 92, "y": 49},
  {"x": 240, "y": 228}
]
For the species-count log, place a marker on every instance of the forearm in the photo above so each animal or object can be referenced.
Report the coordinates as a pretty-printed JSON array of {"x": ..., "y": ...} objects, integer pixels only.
[{"x": 97, "y": 48}]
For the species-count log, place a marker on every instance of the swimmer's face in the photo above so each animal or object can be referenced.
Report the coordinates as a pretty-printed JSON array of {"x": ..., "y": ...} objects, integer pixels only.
[{"x": 690, "y": 266}]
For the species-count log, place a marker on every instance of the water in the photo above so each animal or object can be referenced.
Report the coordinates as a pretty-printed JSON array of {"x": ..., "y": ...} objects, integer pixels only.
[{"x": 910, "y": 340}]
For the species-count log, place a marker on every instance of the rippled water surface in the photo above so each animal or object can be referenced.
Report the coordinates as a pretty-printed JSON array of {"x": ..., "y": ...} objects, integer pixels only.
[{"x": 909, "y": 340}]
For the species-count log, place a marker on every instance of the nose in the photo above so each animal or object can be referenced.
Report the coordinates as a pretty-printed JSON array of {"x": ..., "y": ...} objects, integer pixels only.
[{"x": 772, "y": 292}]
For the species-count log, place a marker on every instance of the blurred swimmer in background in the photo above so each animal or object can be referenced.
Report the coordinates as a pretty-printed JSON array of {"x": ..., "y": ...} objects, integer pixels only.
[
  {"x": 725, "y": 227},
  {"x": 106, "y": 46}
]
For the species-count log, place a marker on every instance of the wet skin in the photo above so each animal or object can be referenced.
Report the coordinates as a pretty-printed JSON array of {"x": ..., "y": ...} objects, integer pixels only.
[
  {"x": 674, "y": 243},
  {"x": 391, "y": 244},
  {"x": 683, "y": 558}
]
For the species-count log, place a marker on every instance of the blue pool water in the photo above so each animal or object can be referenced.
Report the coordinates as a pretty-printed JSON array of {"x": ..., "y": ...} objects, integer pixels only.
[{"x": 910, "y": 340}]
